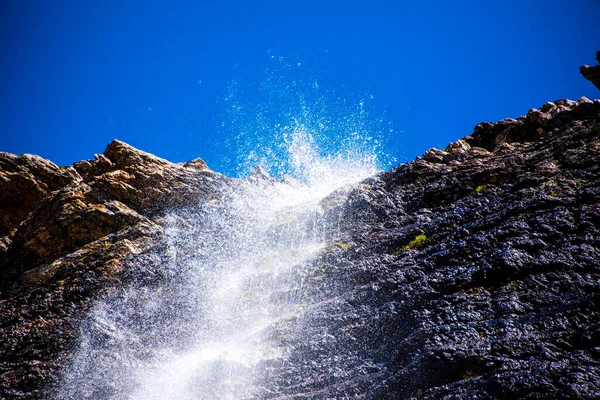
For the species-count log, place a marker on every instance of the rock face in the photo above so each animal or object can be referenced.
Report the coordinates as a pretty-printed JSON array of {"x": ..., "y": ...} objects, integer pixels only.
[
  {"x": 472, "y": 272},
  {"x": 469, "y": 273},
  {"x": 592, "y": 73},
  {"x": 67, "y": 236}
]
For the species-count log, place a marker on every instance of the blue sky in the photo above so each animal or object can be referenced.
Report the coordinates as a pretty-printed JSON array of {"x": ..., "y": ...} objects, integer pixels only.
[{"x": 183, "y": 79}]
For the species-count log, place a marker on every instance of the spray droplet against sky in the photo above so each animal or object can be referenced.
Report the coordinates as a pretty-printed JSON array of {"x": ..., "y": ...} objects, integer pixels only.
[
  {"x": 287, "y": 121},
  {"x": 79, "y": 75}
]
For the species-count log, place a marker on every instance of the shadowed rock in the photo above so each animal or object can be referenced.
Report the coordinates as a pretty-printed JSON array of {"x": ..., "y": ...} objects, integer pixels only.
[
  {"x": 592, "y": 74},
  {"x": 469, "y": 273}
]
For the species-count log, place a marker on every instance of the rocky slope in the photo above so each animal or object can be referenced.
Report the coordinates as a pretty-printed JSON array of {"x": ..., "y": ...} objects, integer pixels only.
[
  {"x": 68, "y": 236},
  {"x": 472, "y": 272}
]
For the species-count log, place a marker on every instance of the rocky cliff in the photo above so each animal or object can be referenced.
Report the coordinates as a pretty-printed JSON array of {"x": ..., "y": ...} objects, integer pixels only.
[
  {"x": 68, "y": 236},
  {"x": 472, "y": 272}
]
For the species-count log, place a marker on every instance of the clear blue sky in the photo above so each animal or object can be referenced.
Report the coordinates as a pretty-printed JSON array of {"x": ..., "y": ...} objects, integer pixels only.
[{"x": 182, "y": 79}]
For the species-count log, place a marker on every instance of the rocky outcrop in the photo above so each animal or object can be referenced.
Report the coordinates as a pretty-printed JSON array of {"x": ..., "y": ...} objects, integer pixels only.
[
  {"x": 471, "y": 272},
  {"x": 24, "y": 182},
  {"x": 592, "y": 73},
  {"x": 68, "y": 236}
]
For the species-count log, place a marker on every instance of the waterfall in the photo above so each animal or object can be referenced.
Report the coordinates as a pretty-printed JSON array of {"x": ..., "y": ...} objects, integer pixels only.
[{"x": 230, "y": 289}]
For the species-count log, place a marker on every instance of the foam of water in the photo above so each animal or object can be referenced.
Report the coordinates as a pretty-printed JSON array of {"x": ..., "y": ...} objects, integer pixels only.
[{"x": 232, "y": 286}]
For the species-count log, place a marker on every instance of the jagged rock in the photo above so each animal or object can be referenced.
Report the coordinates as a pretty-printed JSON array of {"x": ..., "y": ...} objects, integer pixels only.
[
  {"x": 259, "y": 173},
  {"x": 475, "y": 277},
  {"x": 532, "y": 127},
  {"x": 145, "y": 182},
  {"x": 197, "y": 163},
  {"x": 24, "y": 181},
  {"x": 459, "y": 147},
  {"x": 66, "y": 221},
  {"x": 434, "y": 155},
  {"x": 592, "y": 74},
  {"x": 69, "y": 235}
]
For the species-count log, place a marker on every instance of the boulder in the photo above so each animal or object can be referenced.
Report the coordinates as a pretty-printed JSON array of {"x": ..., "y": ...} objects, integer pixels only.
[{"x": 592, "y": 73}]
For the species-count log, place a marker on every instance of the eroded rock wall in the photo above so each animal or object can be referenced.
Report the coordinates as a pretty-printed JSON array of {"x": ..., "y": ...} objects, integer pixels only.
[
  {"x": 68, "y": 235},
  {"x": 484, "y": 266},
  {"x": 470, "y": 273}
]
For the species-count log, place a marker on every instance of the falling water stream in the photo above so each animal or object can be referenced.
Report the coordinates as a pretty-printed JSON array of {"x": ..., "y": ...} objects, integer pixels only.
[{"x": 232, "y": 286}]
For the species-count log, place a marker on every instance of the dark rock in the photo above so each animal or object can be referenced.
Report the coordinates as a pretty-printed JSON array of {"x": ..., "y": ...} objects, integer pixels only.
[
  {"x": 434, "y": 155},
  {"x": 500, "y": 299},
  {"x": 592, "y": 74}
]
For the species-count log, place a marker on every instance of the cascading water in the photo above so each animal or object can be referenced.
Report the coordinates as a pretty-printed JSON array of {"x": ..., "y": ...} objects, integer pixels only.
[{"x": 215, "y": 323}]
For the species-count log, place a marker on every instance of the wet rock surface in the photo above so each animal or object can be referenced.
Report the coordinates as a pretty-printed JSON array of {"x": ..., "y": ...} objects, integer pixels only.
[
  {"x": 472, "y": 272},
  {"x": 69, "y": 236}
]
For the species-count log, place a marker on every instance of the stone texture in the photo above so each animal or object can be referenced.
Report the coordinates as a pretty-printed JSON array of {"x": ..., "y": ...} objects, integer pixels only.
[
  {"x": 472, "y": 273},
  {"x": 69, "y": 236},
  {"x": 24, "y": 181},
  {"x": 592, "y": 74}
]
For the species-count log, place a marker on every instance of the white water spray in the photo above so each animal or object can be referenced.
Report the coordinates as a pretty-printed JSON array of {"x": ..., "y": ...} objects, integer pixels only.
[{"x": 229, "y": 296}]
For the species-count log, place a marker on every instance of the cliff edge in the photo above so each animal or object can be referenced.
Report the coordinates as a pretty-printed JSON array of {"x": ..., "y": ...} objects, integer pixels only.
[{"x": 68, "y": 234}]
